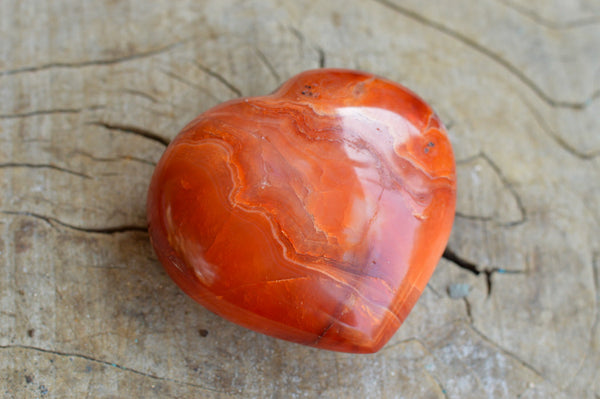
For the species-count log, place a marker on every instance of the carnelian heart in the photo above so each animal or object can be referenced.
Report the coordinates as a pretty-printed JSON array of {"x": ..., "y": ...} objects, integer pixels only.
[{"x": 315, "y": 214}]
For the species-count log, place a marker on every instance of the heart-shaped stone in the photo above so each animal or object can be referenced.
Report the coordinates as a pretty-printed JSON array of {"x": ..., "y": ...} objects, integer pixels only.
[{"x": 316, "y": 214}]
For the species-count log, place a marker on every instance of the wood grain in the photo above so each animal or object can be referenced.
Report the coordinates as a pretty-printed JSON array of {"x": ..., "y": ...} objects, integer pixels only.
[{"x": 91, "y": 92}]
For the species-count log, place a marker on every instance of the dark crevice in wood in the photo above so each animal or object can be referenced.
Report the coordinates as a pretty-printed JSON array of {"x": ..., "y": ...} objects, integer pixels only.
[
  {"x": 488, "y": 281},
  {"x": 99, "y": 62},
  {"x": 122, "y": 158},
  {"x": 474, "y": 217},
  {"x": 451, "y": 256},
  {"x": 97, "y": 230},
  {"x": 322, "y": 56},
  {"x": 41, "y": 112},
  {"x": 220, "y": 78},
  {"x": 491, "y": 55},
  {"x": 509, "y": 186},
  {"x": 10, "y": 165},
  {"x": 468, "y": 309},
  {"x": 472, "y": 267},
  {"x": 585, "y": 156},
  {"x": 263, "y": 58},
  {"x": 133, "y": 130},
  {"x": 105, "y": 363},
  {"x": 505, "y": 351},
  {"x": 189, "y": 83},
  {"x": 533, "y": 16},
  {"x": 141, "y": 94},
  {"x": 322, "y": 59},
  {"x": 299, "y": 35}
]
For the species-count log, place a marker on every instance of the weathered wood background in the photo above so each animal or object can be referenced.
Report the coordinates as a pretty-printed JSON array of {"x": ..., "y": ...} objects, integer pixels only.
[{"x": 91, "y": 92}]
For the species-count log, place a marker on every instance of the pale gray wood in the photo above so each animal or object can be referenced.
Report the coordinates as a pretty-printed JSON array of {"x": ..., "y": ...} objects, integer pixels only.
[{"x": 90, "y": 93}]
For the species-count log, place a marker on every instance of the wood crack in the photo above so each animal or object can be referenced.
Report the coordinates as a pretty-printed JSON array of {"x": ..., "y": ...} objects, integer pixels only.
[
  {"x": 322, "y": 58},
  {"x": 591, "y": 344},
  {"x": 97, "y": 62},
  {"x": 510, "y": 188},
  {"x": 189, "y": 83},
  {"x": 41, "y": 112},
  {"x": 141, "y": 94},
  {"x": 513, "y": 70},
  {"x": 506, "y": 183},
  {"x": 533, "y": 16},
  {"x": 220, "y": 78},
  {"x": 107, "y": 363},
  {"x": 437, "y": 382},
  {"x": 475, "y": 269},
  {"x": 122, "y": 158},
  {"x": 557, "y": 138},
  {"x": 506, "y": 352},
  {"x": 473, "y": 217},
  {"x": 297, "y": 34},
  {"x": 461, "y": 262},
  {"x": 263, "y": 58},
  {"x": 97, "y": 230},
  {"x": 10, "y": 165},
  {"x": 142, "y": 132},
  {"x": 51, "y": 111},
  {"x": 468, "y": 309}
]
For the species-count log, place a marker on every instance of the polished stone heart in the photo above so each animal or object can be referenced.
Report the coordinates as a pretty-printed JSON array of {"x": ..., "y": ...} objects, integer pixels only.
[{"x": 316, "y": 214}]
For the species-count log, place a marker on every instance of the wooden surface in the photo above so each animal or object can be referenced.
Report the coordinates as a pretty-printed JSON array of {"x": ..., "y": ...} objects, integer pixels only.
[{"x": 90, "y": 93}]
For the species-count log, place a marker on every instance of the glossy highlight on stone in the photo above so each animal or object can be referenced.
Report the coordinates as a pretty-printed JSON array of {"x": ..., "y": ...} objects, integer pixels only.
[{"x": 315, "y": 214}]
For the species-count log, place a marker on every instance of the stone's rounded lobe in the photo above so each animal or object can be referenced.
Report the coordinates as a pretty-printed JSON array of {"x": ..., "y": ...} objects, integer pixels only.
[{"x": 315, "y": 214}]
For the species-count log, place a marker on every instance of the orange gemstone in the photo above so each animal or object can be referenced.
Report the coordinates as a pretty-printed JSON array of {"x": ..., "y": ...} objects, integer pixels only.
[{"x": 316, "y": 214}]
